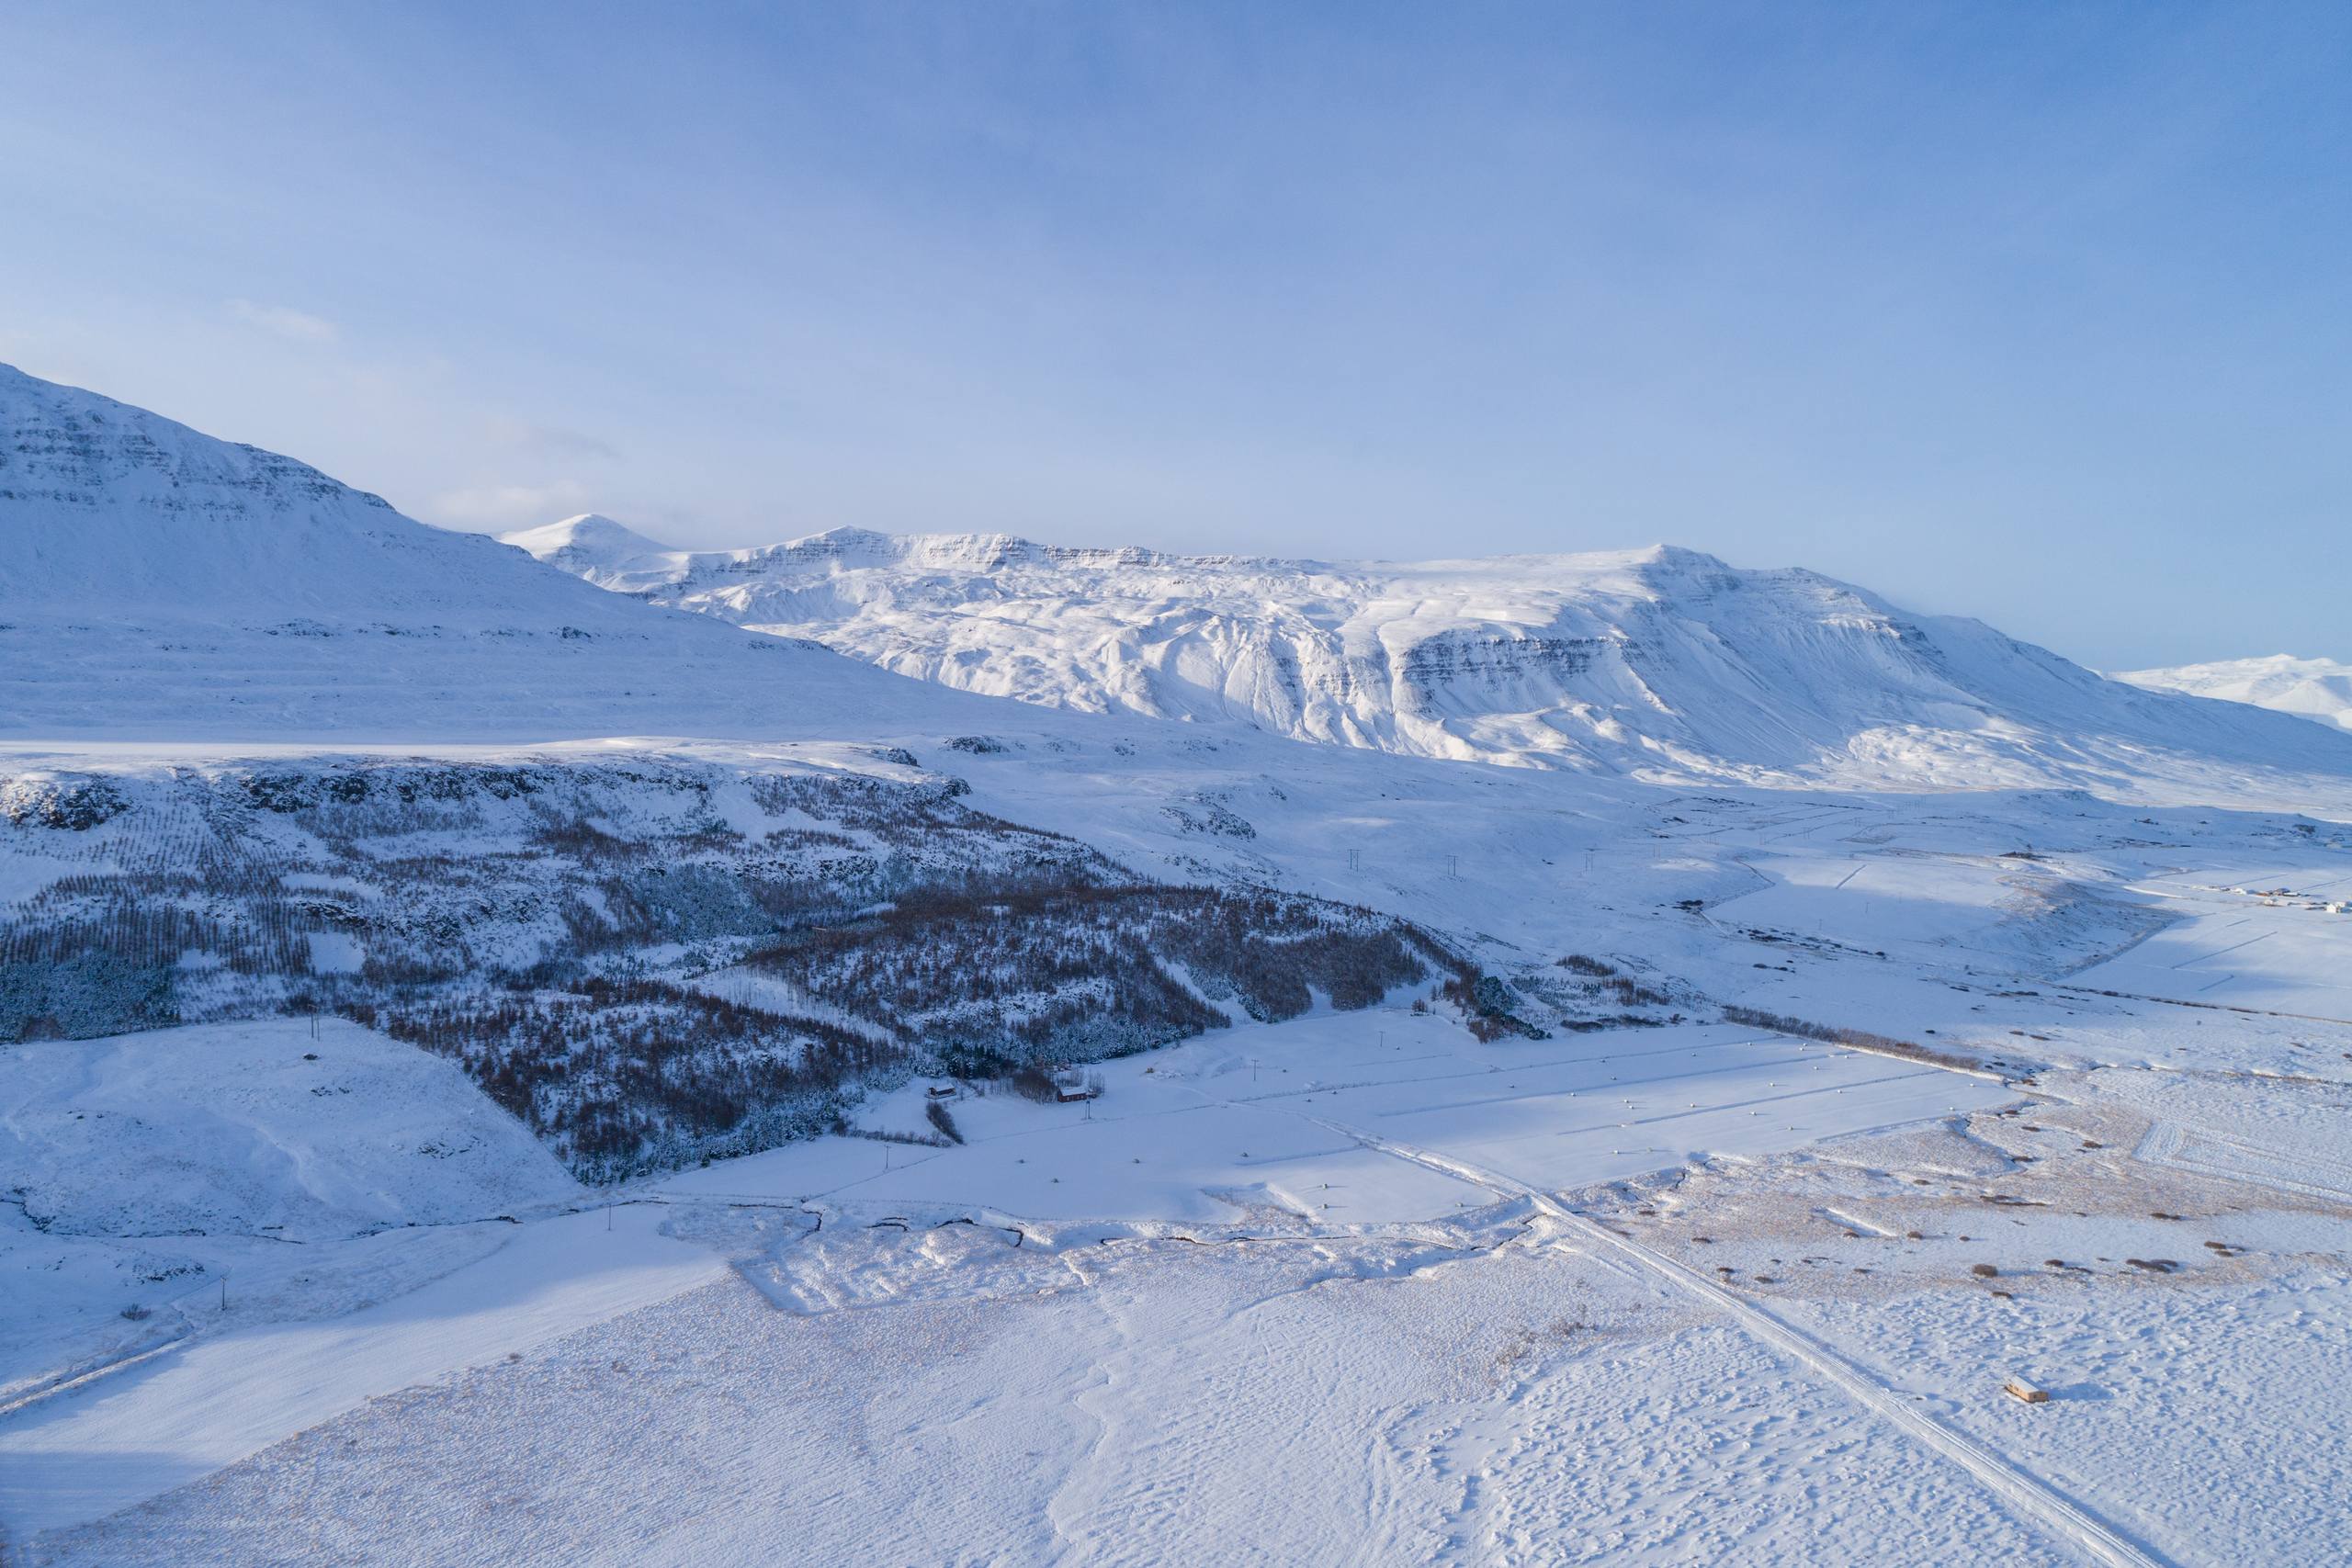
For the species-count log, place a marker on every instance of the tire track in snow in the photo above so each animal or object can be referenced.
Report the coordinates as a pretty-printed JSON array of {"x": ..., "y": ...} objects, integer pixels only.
[
  {"x": 1080, "y": 1496},
  {"x": 2310, "y": 1175},
  {"x": 2030, "y": 1495}
]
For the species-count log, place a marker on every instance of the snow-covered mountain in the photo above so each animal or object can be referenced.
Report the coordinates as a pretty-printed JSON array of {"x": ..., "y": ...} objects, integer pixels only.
[
  {"x": 2313, "y": 688},
  {"x": 156, "y": 583},
  {"x": 1661, "y": 662}
]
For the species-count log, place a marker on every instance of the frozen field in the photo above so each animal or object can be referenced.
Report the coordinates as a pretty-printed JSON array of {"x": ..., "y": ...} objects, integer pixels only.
[
  {"x": 2275, "y": 936},
  {"x": 1352, "y": 1287},
  {"x": 1505, "y": 1384},
  {"x": 1305, "y": 1285},
  {"x": 1338, "y": 1125},
  {"x": 1296, "y": 1117}
]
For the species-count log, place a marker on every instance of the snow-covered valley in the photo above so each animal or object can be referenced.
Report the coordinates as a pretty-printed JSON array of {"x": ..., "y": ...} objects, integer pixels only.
[
  {"x": 1353, "y": 1285},
  {"x": 498, "y": 1070}
]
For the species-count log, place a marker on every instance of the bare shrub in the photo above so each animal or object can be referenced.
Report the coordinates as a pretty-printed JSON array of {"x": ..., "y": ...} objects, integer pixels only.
[{"x": 1861, "y": 1039}]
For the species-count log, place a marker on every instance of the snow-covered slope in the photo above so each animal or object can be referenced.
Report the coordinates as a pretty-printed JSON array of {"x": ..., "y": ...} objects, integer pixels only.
[
  {"x": 156, "y": 583},
  {"x": 1659, "y": 662},
  {"x": 2313, "y": 688},
  {"x": 260, "y": 1125}
]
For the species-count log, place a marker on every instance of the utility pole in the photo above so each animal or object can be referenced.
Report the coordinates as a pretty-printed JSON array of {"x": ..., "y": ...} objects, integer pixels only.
[
  {"x": 1453, "y": 866},
  {"x": 1355, "y": 860}
]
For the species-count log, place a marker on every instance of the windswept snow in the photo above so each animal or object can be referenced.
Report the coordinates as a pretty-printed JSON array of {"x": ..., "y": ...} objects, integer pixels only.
[
  {"x": 1778, "y": 1354},
  {"x": 117, "y": 1440}
]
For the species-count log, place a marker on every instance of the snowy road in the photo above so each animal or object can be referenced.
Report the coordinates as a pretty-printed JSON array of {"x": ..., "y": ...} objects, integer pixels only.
[{"x": 2021, "y": 1491}]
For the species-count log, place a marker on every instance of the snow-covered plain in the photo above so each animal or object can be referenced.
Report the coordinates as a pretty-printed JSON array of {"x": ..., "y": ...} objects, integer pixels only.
[
  {"x": 1662, "y": 1285},
  {"x": 1288, "y": 1118},
  {"x": 1152, "y": 1341}
]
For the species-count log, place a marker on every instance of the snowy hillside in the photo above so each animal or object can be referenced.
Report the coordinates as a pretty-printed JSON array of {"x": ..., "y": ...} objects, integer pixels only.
[
  {"x": 645, "y": 959},
  {"x": 155, "y": 582},
  {"x": 1660, "y": 662},
  {"x": 2314, "y": 688},
  {"x": 273, "y": 1127}
]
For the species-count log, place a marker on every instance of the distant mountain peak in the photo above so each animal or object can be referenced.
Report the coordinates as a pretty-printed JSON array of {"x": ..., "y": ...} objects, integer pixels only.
[
  {"x": 1659, "y": 662},
  {"x": 588, "y": 531},
  {"x": 2318, "y": 689}
]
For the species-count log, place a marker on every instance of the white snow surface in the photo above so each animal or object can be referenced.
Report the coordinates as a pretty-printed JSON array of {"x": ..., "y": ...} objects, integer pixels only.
[
  {"x": 2313, "y": 688},
  {"x": 1660, "y": 662},
  {"x": 119, "y": 1439},
  {"x": 256, "y": 1126},
  {"x": 1154, "y": 1341}
]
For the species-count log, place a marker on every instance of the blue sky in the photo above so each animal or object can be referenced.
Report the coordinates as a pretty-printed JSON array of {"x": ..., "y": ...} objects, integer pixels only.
[{"x": 2034, "y": 312}]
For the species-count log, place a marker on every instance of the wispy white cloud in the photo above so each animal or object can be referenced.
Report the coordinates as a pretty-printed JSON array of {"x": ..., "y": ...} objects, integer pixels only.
[
  {"x": 521, "y": 435},
  {"x": 510, "y": 506},
  {"x": 284, "y": 321}
]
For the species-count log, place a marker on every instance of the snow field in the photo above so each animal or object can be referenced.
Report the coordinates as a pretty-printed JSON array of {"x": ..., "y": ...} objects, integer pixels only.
[
  {"x": 86, "y": 1453},
  {"x": 1276, "y": 1115},
  {"x": 1296, "y": 1159},
  {"x": 2181, "y": 1323},
  {"x": 1165, "y": 1403},
  {"x": 2239, "y": 949},
  {"x": 258, "y": 1126}
]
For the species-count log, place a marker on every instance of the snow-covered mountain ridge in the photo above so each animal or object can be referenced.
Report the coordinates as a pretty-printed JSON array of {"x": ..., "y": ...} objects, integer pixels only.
[
  {"x": 2314, "y": 688},
  {"x": 156, "y": 583},
  {"x": 1662, "y": 662}
]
